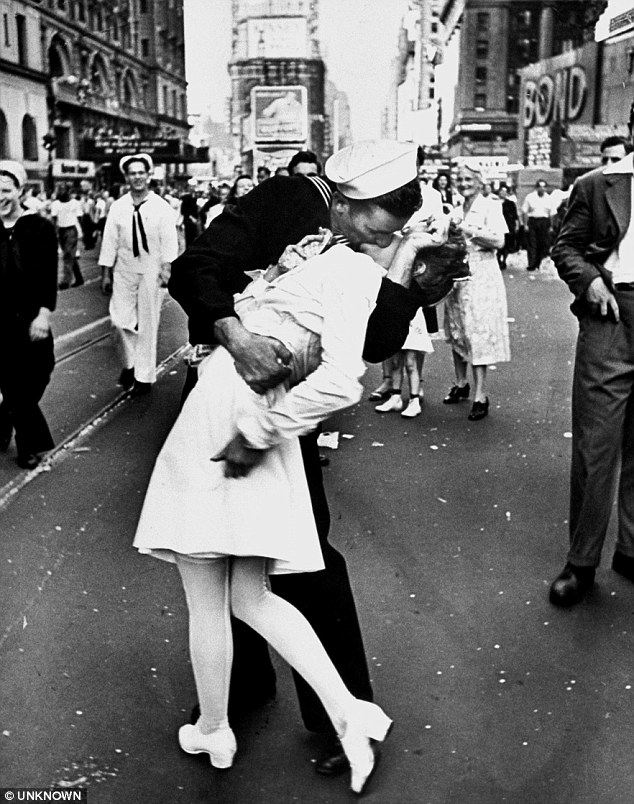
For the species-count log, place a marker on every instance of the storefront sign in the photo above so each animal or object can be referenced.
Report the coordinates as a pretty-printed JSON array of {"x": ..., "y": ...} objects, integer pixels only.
[
  {"x": 107, "y": 147},
  {"x": 279, "y": 114},
  {"x": 73, "y": 169}
]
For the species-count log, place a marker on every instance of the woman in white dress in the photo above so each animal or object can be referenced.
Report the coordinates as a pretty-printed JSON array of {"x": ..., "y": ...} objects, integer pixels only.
[
  {"x": 476, "y": 311},
  {"x": 228, "y": 500}
]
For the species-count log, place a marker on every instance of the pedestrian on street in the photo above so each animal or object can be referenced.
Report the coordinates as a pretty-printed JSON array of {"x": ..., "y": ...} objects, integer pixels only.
[
  {"x": 241, "y": 186},
  {"x": 536, "y": 215},
  {"x": 511, "y": 216},
  {"x": 139, "y": 243},
  {"x": 304, "y": 163},
  {"x": 410, "y": 359},
  {"x": 28, "y": 290},
  {"x": 613, "y": 149},
  {"x": 66, "y": 213},
  {"x": 476, "y": 311},
  {"x": 248, "y": 236},
  {"x": 228, "y": 500},
  {"x": 593, "y": 255}
]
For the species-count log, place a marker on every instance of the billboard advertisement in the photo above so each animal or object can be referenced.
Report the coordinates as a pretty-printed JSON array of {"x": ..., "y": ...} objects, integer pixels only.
[{"x": 279, "y": 114}]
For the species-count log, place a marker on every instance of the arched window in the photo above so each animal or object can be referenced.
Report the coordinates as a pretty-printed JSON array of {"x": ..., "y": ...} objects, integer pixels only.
[
  {"x": 98, "y": 76},
  {"x": 4, "y": 136},
  {"x": 29, "y": 139},
  {"x": 58, "y": 57},
  {"x": 129, "y": 90}
]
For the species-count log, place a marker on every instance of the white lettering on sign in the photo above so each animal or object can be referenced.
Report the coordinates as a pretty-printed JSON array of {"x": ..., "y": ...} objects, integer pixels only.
[{"x": 555, "y": 98}]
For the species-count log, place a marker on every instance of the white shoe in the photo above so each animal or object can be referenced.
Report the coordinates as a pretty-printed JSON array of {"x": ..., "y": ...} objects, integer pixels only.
[
  {"x": 220, "y": 744},
  {"x": 395, "y": 403},
  {"x": 412, "y": 409},
  {"x": 366, "y": 725}
]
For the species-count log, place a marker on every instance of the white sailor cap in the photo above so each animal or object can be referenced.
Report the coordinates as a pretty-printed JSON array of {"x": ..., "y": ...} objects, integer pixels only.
[
  {"x": 372, "y": 168},
  {"x": 145, "y": 158},
  {"x": 15, "y": 170}
]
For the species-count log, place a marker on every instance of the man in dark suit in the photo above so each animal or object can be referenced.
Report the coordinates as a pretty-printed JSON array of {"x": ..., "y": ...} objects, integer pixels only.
[
  {"x": 593, "y": 255},
  {"x": 252, "y": 235}
]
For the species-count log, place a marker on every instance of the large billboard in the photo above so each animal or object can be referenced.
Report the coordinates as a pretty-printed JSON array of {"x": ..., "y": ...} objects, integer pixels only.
[{"x": 279, "y": 114}]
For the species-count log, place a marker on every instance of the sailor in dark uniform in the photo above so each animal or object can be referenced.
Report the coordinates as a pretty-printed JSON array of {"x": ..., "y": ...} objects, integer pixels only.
[{"x": 248, "y": 236}]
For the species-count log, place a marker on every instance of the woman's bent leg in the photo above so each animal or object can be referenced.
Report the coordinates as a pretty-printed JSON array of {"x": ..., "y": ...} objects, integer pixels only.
[{"x": 287, "y": 630}]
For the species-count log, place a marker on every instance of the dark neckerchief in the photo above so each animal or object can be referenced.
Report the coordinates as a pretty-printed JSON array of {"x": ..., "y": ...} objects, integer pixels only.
[{"x": 136, "y": 216}]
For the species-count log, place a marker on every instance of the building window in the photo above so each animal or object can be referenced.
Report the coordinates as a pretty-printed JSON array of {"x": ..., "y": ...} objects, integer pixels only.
[
  {"x": 7, "y": 39},
  {"x": 145, "y": 47},
  {"x": 20, "y": 22},
  {"x": 165, "y": 98},
  {"x": 482, "y": 50},
  {"x": 525, "y": 18},
  {"x": 174, "y": 105},
  {"x": 482, "y": 21},
  {"x": 143, "y": 7},
  {"x": 4, "y": 136},
  {"x": 480, "y": 101},
  {"x": 481, "y": 75},
  {"x": 29, "y": 139},
  {"x": 630, "y": 60}
]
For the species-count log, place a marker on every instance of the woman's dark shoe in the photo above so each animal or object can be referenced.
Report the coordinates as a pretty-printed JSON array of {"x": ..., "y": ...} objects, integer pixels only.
[
  {"x": 571, "y": 585},
  {"x": 456, "y": 394},
  {"x": 479, "y": 410}
]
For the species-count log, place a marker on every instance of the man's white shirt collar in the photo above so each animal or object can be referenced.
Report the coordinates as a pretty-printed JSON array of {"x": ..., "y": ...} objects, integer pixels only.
[{"x": 625, "y": 165}]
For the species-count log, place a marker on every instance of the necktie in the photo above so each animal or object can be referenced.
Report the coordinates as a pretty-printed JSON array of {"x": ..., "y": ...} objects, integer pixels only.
[{"x": 136, "y": 216}]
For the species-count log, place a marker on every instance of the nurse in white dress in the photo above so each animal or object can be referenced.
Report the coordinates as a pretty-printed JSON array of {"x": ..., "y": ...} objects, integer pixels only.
[{"x": 228, "y": 500}]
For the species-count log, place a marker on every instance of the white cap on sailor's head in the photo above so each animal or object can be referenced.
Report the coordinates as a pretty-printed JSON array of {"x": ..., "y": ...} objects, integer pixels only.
[
  {"x": 145, "y": 158},
  {"x": 372, "y": 168},
  {"x": 15, "y": 170}
]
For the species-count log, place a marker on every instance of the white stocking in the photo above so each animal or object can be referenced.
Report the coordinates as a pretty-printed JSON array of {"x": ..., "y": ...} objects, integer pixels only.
[{"x": 206, "y": 587}]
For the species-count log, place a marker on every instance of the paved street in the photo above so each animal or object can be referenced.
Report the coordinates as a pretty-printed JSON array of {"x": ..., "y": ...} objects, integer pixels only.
[{"x": 453, "y": 531}]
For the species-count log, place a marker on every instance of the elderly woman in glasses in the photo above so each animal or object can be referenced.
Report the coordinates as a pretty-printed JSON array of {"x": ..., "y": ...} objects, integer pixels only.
[{"x": 476, "y": 311}]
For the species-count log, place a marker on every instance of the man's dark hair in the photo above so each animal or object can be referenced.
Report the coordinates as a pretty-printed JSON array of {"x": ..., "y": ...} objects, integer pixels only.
[
  {"x": 263, "y": 169},
  {"x": 402, "y": 202},
  {"x": 304, "y": 156},
  {"x": 611, "y": 142}
]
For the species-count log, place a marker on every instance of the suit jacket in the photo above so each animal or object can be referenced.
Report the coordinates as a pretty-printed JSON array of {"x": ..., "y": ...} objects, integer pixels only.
[
  {"x": 252, "y": 234},
  {"x": 595, "y": 222}
]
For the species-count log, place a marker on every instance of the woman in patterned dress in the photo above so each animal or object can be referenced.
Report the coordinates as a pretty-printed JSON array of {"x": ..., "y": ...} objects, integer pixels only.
[{"x": 476, "y": 311}]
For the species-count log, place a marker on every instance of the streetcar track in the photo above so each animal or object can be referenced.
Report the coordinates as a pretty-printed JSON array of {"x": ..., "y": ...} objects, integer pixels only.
[{"x": 65, "y": 448}]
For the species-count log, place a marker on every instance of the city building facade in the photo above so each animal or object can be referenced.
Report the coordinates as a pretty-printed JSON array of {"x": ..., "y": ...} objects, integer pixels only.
[
  {"x": 498, "y": 38},
  {"x": 278, "y": 84},
  {"x": 84, "y": 82}
]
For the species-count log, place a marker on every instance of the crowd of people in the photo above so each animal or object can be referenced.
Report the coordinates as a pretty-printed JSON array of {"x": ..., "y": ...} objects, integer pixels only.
[{"x": 289, "y": 284}]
